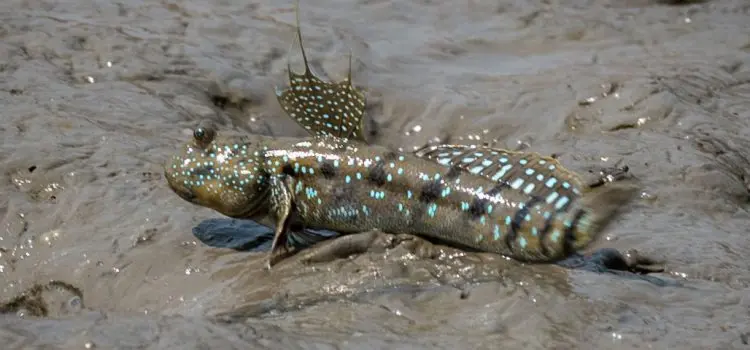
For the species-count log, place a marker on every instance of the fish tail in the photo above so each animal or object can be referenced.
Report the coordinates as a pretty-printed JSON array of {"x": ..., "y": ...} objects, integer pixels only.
[
  {"x": 597, "y": 208},
  {"x": 538, "y": 234}
]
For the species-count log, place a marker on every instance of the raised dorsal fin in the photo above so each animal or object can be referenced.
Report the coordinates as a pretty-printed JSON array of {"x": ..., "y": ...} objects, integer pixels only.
[
  {"x": 526, "y": 171},
  {"x": 323, "y": 108}
]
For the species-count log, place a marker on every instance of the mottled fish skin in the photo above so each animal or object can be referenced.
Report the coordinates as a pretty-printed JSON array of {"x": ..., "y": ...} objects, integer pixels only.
[
  {"x": 529, "y": 172},
  {"x": 348, "y": 186},
  {"x": 520, "y": 205}
]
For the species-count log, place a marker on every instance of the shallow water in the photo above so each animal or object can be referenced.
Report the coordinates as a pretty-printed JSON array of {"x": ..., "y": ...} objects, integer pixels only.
[{"x": 96, "y": 95}]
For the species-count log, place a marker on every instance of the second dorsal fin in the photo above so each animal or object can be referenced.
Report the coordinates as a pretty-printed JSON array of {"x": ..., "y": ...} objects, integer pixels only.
[
  {"x": 323, "y": 108},
  {"x": 525, "y": 171}
]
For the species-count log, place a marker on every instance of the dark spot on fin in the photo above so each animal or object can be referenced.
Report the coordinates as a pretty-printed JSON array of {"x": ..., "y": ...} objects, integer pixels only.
[
  {"x": 390, "y": 156},
  {"x": 327, "y": 169},
  {"x": 288, "y": 169},
  {"x": 377, "y": 174},
  {"x": 570, "y": 238},
  {"x": 544, "y": 234},
  {"x": 518, "y": 219},
  {"x": 431, "y": 191},
  {"x": 497, "y": 189},
  {"x": 478, "y": 208},
  {"x": 453, "y": 173},
  {"x": 310, "y": 101}
]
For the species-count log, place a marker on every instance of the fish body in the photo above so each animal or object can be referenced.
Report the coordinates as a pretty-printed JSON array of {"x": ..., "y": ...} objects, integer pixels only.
[
  {"x": 532, "y": 211},
  {"x": 521, "y": 205}
]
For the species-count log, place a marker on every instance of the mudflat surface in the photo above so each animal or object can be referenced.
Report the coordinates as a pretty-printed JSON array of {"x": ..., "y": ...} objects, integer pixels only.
[{"x": 95, "y": 95}]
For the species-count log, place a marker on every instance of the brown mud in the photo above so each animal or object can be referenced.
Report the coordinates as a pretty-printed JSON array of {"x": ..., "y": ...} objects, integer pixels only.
[{"x": 95, "y": 96}]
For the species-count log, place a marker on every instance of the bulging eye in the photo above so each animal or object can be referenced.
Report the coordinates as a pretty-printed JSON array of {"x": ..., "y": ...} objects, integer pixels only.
[
  {"x": 204, "y": 135},
  {"x": 199, "y": 133}
]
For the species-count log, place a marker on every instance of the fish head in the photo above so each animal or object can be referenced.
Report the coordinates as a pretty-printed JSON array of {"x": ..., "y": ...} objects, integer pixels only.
[{"x": 224, "y": 173}]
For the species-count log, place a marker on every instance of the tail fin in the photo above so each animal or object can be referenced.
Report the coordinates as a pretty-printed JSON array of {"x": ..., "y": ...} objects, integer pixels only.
[{"x": 600, "y": 206}]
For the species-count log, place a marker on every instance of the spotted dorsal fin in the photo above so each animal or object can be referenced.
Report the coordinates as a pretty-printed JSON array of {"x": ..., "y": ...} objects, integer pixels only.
[
  {"x": 323, "y": 108},
  {"x": 526, "y": 171}
]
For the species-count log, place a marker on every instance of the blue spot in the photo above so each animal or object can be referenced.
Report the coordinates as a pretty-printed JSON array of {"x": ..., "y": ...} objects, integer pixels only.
[
  {"x": 529, "y": 171},
  {"x": 523, "y": 243},
  {"x": 503, "y": 160},
  {"x": 561, "y": 202},
  {"x": 539, "y": 177},
  {"x": 468, "y": 160},
  {"x": 516, "y": 184},
  {"x": 502, "y": 172},
  {"x": 336, "y": 163},
  {"x": 489, "y": 208},
  {"x": 508, "y": 220},
  {"x": 551, "y": 182},
  {"x": 400, "y": 171},
  {"x": 348, "y": 179},
  {"x": 523, "y": 161},
  {"x": 551, "y": 197},
  {"x": 446, "y": 192},
  {"x": 476, "y": 170},
  {"x": 400, "y": 158},
  {"x": 359, "y": 176},
  {"x": 431, "y": 211},
  {"x": 486, "y": 162},
  {"x": 311, "y": 192},
  {"x": 408, "y": 194},
  {"x": 555, "y": 236},
  {"x": 389, "y": 178},
  {"x": 529, "y": 188},
  {"x": 534, "y": 231},
  {"x": 496, "y": 232},
  {"x": 566, "y": 185}
]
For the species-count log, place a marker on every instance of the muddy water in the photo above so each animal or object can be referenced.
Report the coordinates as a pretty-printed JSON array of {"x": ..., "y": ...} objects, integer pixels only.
[{"x": 96, "y": 94}]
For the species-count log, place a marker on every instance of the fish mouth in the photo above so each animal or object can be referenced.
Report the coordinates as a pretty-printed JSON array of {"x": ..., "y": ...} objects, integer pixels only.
[
  {"x": 183, "y": 192},
  {"x": 179, "y": 188}
]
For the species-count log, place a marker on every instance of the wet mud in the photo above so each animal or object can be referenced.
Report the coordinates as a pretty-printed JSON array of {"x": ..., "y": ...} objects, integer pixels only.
[{"x": 96, "y": 251}]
